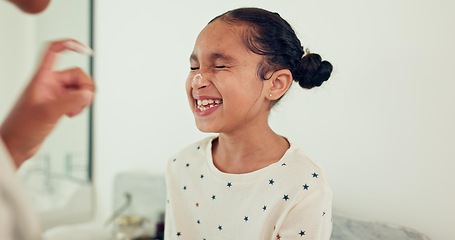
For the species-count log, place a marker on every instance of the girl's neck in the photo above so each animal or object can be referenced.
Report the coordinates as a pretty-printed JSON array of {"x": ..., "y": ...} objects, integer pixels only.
[{"x": 248, "y": 152}]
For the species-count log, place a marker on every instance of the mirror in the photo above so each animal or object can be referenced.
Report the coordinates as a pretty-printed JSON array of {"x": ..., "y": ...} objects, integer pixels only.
[{"x": 61, "y": 171}]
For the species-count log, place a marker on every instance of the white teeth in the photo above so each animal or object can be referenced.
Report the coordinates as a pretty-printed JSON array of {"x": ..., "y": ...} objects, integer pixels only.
[{"x": 205, "y": 104}]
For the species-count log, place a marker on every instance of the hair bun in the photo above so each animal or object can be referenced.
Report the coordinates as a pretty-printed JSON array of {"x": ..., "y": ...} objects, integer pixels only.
[{"x": 312, "y": 71}]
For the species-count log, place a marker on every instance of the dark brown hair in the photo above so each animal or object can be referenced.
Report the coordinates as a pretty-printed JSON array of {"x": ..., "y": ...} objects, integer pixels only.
[{"x": 268, "y": 34}]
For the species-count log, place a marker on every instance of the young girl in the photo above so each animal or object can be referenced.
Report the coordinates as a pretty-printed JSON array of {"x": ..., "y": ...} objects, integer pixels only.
[{"x": 247, "y": 182}]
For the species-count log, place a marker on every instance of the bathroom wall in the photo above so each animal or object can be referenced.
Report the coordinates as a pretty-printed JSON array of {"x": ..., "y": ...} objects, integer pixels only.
[{"x": 382, "y": 126}]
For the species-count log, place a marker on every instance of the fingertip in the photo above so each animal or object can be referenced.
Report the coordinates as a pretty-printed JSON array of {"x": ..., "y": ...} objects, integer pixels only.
[
  {"x": 55, "y": 47},
  {"x": 74, "y": 113},
  {"x": 78, "y": 47},
  {"x": 70, "y": 115},
  {"x": 75, "y": 102},
  {"x": 87, "y": 95}
]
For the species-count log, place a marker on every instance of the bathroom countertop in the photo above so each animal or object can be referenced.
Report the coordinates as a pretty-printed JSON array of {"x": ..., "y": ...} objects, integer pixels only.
[{"x": 349, "y": 229}]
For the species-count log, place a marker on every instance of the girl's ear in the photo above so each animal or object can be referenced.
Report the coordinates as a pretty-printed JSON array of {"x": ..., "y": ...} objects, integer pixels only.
[{"x": 278, "y": 84}]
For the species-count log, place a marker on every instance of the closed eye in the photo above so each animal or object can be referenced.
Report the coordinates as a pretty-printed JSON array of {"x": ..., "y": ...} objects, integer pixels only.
[
  {"x": 194, "y": 68},
  {"x": 220, "y": 66}
]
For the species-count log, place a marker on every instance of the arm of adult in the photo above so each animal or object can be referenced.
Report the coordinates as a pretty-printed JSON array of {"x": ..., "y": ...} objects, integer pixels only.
[{"x": 49, "y": 96}]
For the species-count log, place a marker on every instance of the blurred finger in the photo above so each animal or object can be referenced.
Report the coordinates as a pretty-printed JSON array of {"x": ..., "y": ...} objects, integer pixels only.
[
  {"x": 75, "y": 78},
  {"x": 75, "y": 112},
  {"x": 70, "y": 104},
  {"x": 78, "y": 47},
  {"x": 56, "y": 47}
]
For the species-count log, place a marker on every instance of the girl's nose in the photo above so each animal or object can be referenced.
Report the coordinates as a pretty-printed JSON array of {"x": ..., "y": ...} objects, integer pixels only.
[{"x": 198, "y": 82}]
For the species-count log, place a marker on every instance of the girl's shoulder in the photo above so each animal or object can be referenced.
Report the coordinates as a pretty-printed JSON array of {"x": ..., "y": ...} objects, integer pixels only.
[{"x": 298, "y": 166}]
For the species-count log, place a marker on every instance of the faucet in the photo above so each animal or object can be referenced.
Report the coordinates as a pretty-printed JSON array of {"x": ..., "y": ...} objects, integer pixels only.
[{"x": 120, "y": 210}]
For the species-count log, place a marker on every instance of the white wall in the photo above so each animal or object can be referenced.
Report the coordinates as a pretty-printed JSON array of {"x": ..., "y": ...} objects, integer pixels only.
[{"x": 382, "y": 126}]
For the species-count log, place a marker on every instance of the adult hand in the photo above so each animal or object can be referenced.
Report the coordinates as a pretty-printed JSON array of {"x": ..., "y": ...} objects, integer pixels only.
[{"x": 49, "y": 95}]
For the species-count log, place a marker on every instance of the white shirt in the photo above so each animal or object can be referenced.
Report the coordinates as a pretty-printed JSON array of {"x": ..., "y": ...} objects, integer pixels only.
[
  {"x": 289, "y": 199},
  {"x": 17, "y": 219}
]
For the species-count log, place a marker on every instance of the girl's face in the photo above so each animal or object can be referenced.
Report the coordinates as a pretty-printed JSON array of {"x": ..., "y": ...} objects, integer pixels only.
[{"x": 230, "y": 96}]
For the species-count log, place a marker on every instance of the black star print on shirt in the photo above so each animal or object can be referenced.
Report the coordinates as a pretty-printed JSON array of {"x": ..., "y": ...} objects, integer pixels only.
[
  {"x": 305, "y": 187},
  {"x": 246, "y": 219},
  {"x": 229, "y": 184},
  {"x": 301, "y": 233},
  {"x": 286, "y": 197},
  {"x": 315, "y": 175},
  {"x": 271, "y": 181}
]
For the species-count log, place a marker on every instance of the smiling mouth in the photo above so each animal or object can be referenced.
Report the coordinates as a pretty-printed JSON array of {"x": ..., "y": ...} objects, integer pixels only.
[{"x": 204, "y": 105}]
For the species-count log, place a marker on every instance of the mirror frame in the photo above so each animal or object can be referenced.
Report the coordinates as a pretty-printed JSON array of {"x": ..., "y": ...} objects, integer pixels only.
[{"x": 91, "y": 111}]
